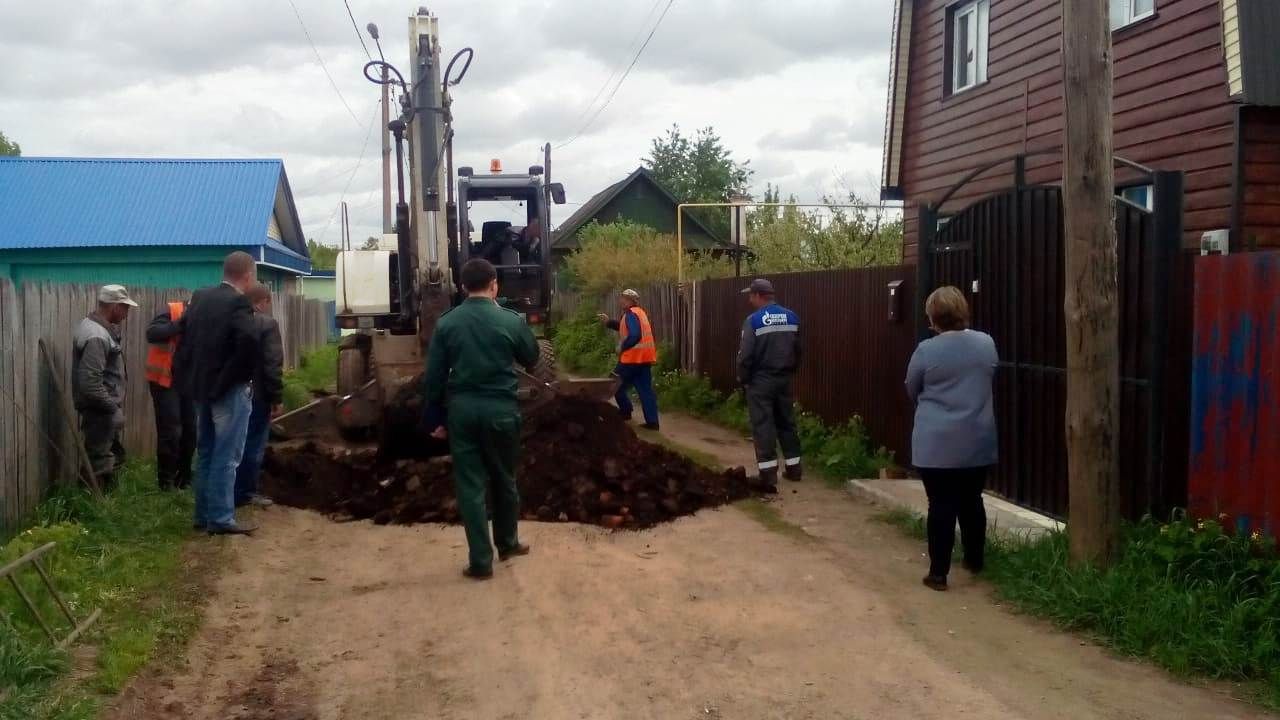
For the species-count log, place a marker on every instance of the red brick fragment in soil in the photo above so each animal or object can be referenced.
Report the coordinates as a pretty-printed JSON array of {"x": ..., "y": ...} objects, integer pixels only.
[{"x": 580, "y": 462}]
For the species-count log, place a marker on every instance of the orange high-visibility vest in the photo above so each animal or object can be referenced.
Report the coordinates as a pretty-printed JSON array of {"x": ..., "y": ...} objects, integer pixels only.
[
  {"x": 160, "y": 355},
  {"x": 644, "y": 352}
]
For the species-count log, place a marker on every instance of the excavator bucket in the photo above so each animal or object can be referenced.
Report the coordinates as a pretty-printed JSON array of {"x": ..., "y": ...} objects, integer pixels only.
[{"x": 589, "y": 388}]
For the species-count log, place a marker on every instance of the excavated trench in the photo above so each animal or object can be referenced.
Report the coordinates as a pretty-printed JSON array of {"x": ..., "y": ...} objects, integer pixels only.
[{"x": 580, "y": 462}]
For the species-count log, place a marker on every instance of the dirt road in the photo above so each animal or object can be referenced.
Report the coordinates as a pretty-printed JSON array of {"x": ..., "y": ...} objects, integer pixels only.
[{"x": 713, "y": 616}]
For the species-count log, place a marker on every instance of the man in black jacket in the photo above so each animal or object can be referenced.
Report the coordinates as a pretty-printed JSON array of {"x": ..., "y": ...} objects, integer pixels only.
[
  {"x": 214, "y": 367},
  {"x": 268, "y": 391}
]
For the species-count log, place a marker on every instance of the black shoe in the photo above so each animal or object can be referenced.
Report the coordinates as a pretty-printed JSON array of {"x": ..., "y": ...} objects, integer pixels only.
[
  {"x": 650, "y": 426},
  {"x": 975, "y": 568},
  {"x": 476, "y": 574},
  {"x": 517, "y": 551},
  {"x": 935, "y": 582},
  {"x": 793, "y": 473},
  {"x": 236, "y": 529}
]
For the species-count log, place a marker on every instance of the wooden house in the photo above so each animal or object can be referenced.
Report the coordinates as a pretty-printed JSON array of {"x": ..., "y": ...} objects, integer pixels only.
[{"x": 1196, "y": 90}]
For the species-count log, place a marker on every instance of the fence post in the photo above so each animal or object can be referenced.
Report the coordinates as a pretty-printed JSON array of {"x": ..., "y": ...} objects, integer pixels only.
[{"x": 1166, "y": 235}]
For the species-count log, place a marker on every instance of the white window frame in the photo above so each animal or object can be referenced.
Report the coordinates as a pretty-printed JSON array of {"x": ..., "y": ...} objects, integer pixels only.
[
  {"x": 1148, "y": 196},
  {"x": 979, "y": 13},
  {"x": 1123, "y": 13}
]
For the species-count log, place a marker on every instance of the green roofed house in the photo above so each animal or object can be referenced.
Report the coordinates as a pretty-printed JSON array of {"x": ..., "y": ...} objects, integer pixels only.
[
  {"x": 147, "y": 222},
  {"x": 639, "y": 199}
]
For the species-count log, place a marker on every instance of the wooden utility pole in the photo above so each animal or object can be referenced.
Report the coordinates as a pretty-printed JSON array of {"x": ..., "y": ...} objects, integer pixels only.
[{"x": 1092, "y": 315}]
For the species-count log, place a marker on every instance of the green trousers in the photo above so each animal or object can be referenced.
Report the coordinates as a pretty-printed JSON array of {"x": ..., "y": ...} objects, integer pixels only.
[{"x": 484, "y": 439}]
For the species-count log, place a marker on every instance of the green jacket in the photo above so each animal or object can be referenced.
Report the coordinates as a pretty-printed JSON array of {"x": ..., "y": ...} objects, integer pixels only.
[{"x": 473, "y": 353}]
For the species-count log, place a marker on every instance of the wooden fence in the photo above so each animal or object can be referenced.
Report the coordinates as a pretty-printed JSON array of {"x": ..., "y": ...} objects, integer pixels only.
[
  {"x": 668, "y": 311},
  {"x": 38, "y": 436}
]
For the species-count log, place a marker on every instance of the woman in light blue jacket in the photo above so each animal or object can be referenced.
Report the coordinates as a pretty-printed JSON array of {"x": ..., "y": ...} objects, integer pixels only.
[{"x": 953, "y": 441}]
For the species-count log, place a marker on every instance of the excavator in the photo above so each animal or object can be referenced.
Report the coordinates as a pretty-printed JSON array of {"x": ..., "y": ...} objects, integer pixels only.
[{"x": 393, "y": 296}]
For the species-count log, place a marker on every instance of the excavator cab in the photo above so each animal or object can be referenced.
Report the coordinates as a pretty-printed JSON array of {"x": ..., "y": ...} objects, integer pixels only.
[{"x": 511, "y": 213}]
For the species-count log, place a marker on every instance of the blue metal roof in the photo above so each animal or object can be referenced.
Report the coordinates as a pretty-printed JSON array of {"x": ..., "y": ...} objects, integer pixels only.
[{"x": 96, "y": 202}]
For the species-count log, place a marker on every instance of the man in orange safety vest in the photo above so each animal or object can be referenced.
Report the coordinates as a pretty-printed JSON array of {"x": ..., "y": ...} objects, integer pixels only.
[
  {"x": 637, "y": 354},
  {"x": 175, "y": 414}
]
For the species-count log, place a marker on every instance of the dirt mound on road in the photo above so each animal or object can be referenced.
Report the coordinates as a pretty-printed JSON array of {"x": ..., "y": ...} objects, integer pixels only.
[{"x": 580, "y": 463}]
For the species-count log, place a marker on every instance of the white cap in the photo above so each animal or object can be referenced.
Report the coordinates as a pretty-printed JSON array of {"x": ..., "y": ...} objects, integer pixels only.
[{"x": 115, "y": 295}]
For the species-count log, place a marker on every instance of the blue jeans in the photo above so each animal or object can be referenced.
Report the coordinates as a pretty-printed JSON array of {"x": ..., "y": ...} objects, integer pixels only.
[
  {"x": 641, "y": 378},
  {"x": 255, "y": 447},
  {"x": 222, "y": 425}
]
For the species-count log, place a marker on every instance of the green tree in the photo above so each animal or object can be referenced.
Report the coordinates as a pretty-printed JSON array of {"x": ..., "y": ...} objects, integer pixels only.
[
  {"x": 9, "y": 147},
  {"x": 370, "y": 243},
  {"x": 790, "y": 239},
  {"x": 699, "y": 169},
  {"x": 323, "y": 257}
]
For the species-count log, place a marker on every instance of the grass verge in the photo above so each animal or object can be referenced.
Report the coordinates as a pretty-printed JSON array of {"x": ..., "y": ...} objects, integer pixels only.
[
  {"x": 316, "y": 372},
  {"x": 1194, "y": 598},
  {"x": 772, "y": 520},
  {"x": 705, "y": 459},
  {"x": 123, "y": 555}
]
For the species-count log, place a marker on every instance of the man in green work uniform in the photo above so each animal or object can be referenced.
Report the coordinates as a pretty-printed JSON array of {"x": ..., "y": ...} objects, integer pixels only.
[{"x": 471, "y": 399}]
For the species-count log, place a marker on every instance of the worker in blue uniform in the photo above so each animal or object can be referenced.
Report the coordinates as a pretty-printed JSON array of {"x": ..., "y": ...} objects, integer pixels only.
[{"x": 768, "y": 357}]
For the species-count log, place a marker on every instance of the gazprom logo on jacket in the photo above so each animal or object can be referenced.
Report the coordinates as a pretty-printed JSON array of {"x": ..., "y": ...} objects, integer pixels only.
[{"x": 774, "y": 318}]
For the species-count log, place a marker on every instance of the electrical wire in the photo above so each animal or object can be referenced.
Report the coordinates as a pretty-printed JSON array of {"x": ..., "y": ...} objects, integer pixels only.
[
  {"x": 359, "y": 161},
  {"x": 323, "y": 67},
  {"x": 357, "y": 29},
  {"x": 630, "y": 46},
  {"x": 622, "y": 79}
]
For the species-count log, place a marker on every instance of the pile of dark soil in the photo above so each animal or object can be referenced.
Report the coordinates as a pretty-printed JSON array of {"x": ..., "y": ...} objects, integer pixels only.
[{"x": 580, "y": 463}]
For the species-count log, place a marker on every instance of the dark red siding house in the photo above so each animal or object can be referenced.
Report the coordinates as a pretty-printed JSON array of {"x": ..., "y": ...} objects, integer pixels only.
[
  {"x": 973, "y": 148},
  {"x": 1197, "y": 89}
]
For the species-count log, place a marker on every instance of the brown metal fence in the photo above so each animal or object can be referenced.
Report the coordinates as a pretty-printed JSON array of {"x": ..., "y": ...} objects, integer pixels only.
[
  {"x": 855, "y": 356},
  {"x": 38, "y": 439}
]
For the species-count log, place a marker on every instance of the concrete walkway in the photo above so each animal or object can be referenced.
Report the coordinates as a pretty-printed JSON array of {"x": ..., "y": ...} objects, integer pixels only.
[{"x": 1002, "y": 515}]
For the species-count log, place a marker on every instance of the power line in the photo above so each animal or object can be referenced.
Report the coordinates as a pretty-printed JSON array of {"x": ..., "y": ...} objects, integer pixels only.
[
  {"x": 359, "y": 161},
  {"x": 630, "y": 46},
  {"x": 357, "y": 29},
  {"x": 622, "y": 79},
  {"x": 322, "y": 65}
]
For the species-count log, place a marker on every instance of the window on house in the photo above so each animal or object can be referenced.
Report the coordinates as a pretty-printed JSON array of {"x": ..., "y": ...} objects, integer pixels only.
[
  {"x": 967, "y": 44},
  {"x": 1139, "y": 195},
  {"x": 1127, "y": 12}
]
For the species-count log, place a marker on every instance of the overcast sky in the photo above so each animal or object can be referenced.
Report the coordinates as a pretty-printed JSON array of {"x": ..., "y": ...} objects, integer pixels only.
[{"x": 797, "y": 87}]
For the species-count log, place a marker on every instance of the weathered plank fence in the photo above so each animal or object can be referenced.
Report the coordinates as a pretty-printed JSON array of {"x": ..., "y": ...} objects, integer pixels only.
[{"x": 38, "y": 441}]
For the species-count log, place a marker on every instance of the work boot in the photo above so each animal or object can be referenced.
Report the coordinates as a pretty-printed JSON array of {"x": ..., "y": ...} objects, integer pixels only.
[
  {"x": 793, "y": 473},
  {"x": 769, "y": 478},
  {"x": 651, "y": 426},
  {"x": 517, "y": 551},
  {"x": 478, "y": 573}
]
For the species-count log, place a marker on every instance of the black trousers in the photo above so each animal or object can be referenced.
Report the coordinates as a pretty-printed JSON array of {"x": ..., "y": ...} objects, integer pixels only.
[
  {"x": 955, "y": 494},
  {"x": 175, "y": 436},
  {"x": 772, "y": 411}
]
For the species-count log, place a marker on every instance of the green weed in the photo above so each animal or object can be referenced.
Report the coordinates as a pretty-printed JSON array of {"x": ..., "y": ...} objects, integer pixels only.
[
  {"x": 909, "y": 522},
  {"x": 122, "y": 554},
  {"x": 1188, "y": 595},
  {"x": 316, "y": 372},
  {"x": 768, "y": 516}
]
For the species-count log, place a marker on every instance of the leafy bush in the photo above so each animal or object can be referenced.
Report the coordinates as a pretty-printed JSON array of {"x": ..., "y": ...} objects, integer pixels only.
[
  {"x": 623, "y": 254},
  {"x": 584, "y": 346},
  {"x": 1189, "y": 595}
]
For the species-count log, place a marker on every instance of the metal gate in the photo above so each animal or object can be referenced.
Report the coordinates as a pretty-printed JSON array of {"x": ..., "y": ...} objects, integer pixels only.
[{"x": 1006, "y": 252}]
